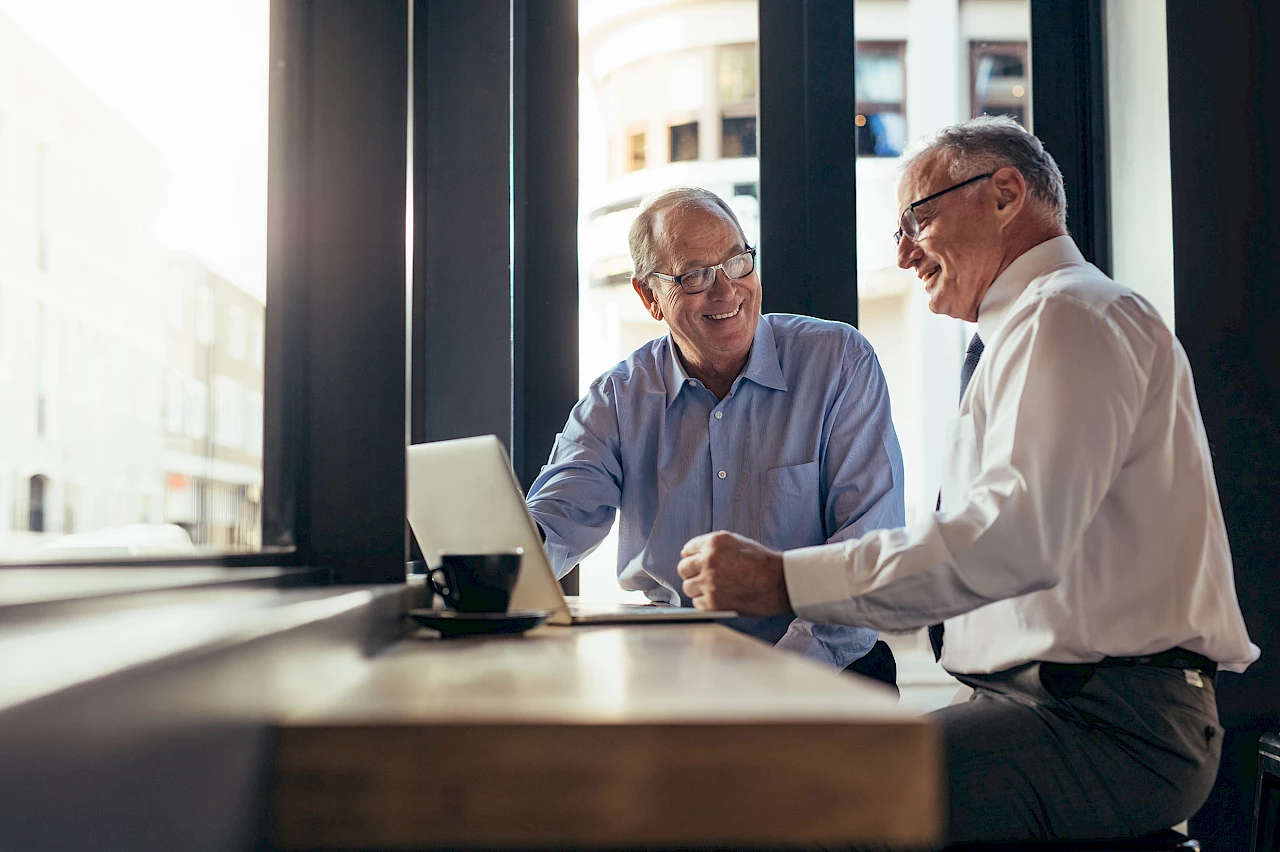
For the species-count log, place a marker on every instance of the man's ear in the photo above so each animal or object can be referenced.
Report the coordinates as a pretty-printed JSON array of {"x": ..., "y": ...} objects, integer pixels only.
[
  {"x": 651, "y": 303},
  {"x": 1011, "y": 193}
]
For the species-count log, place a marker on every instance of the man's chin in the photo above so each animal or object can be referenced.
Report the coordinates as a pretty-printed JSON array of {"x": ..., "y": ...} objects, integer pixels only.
[{"x": 938, "y": 305}]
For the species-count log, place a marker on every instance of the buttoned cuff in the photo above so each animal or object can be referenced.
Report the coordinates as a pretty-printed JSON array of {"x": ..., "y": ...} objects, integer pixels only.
[{"x": 816, "y": 580}]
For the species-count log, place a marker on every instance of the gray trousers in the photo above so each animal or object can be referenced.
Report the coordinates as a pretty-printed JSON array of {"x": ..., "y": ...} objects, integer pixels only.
[{"x": 1052, "y": 751}]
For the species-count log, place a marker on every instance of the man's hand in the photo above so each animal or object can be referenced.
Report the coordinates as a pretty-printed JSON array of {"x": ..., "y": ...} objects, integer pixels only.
[{"x": 723, "y": 570}]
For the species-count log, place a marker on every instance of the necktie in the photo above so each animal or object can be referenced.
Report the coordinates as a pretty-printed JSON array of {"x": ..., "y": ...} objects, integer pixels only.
[{"x": 971, "y": 357}]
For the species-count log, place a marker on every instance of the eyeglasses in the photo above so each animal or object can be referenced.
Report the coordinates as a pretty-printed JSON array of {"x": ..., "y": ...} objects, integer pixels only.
[
  {"x": 696, "y": 280},
  {"x": 909, "y": 225}
]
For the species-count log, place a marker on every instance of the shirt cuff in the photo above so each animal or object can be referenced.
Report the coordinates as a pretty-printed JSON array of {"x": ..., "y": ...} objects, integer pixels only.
[{"x": 816, "y": 578}]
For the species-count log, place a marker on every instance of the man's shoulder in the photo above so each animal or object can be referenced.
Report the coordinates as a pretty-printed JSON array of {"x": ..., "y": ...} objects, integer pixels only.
[
  {"x": 640, "y": 369},
  {"x": 1082, "y": 282},
  {"x": 1084, "y": 287},
  {"x": 808, "y": 336}
]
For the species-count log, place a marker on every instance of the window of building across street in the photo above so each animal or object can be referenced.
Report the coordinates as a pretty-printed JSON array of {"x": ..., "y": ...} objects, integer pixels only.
[{"x": 132, "y": 274}]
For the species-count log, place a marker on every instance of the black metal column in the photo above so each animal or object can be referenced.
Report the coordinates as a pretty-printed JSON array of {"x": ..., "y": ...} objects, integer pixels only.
[
  {"x": 462, "y": 218},
  {"x": 807, "y": 158},
  {"x": 1069, "y": 114},
  {"x": 1224, "y": 142},
  {"x": 545, "y": 226},
  {"x": 335, "y": 314}
]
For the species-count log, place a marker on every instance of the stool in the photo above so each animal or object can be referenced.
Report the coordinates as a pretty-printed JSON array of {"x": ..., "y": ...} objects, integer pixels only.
[
  {"x": 1266, "y": 804},
  {"x": 1162, "y": 841}
]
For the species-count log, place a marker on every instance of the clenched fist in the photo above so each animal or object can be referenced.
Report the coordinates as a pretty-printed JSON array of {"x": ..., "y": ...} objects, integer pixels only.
[{"x": 723, "y": 570}]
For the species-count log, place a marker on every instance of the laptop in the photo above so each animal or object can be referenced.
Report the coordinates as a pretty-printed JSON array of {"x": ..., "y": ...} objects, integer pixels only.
[{"x": 464, "y": 498}]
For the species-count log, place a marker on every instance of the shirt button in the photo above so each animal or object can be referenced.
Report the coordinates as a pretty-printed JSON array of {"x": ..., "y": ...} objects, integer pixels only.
[
  {"x": 719, "y": 415},
  {"x": 722, "y": 474},
  {"x": 692, "y": 382}
]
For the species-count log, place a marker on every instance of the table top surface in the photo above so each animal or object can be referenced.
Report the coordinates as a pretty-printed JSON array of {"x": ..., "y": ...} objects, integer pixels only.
[{"x": 621, "y": 674}]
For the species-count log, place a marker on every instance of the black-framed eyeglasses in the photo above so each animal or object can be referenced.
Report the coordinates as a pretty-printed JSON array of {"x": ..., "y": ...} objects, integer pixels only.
[
  {"x": 695, "y": 281},
  {"x": 909, "y": 225}
]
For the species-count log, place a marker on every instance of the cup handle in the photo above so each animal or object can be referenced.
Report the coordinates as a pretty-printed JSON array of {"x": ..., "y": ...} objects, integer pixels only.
[{"x": 441, "y": 586}]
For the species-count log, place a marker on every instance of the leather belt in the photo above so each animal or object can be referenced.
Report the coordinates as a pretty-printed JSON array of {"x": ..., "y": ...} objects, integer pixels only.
[{"x": 1174, "y": 658}]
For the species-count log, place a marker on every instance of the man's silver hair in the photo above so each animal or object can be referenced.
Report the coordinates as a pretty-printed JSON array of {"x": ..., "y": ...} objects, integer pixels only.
[
  {"x": 988, "y": 142},
  {"x": 646, "y": 255}
]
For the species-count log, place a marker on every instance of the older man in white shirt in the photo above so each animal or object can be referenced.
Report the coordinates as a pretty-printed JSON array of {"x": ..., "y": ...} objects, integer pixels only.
[{"x": 1079, "y": 556}]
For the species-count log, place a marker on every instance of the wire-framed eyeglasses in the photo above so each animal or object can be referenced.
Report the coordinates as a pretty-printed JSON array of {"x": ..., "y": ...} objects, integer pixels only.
[
  {"x": 695, "y": 281},
  {"x": 909, "y": 225}
]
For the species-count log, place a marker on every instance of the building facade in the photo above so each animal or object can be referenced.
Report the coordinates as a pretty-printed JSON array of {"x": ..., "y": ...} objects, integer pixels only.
[{"x": 100, "y": 326}]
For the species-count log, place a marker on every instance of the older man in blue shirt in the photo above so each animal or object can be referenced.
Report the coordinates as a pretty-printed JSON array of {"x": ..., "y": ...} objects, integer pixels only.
[{"x": 777, "y": 427}]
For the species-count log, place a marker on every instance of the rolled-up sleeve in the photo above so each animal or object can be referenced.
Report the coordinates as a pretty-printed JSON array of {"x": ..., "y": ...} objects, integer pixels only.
[{"x": 576, "y": 496}]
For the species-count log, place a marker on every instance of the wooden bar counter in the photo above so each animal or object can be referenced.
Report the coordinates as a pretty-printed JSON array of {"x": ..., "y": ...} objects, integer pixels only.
[{"x": 659, "y": 736}]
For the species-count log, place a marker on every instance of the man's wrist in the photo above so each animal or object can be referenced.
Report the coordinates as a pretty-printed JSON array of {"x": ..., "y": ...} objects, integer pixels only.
[{"x": 784, "y": 594}]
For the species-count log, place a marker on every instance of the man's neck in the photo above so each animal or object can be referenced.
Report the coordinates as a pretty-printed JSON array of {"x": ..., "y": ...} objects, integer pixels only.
[
  {"x": 717, "y": 378},
  {"x": 1024, "y": 241}
]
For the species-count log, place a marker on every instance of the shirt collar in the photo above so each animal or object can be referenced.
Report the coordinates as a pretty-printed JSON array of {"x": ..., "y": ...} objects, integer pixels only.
[
  {"x": 763, "y": 366},
  {"x": 1011, "y": 283}
]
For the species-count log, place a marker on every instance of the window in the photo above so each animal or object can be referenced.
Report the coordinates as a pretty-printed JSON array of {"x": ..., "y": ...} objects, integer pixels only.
[
  {"x": 132, "y": 235},
  {"x": 635, "y": 152},
  {"x": 737, "y": 84},
  {"x": 1138, "y": 152},
  {"x": 37, "y": 487},
  {"x": 999, "y": 73},
  {"x": 880, "y": 88},
  {"x": 920, "y": 352},
  {"x": 699, "y": 88},
  {"x": 738, "y": 137},
  {"x": 684, "y": 142}
]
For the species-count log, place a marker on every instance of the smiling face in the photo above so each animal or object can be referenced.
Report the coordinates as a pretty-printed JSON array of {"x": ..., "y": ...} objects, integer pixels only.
[
  {"x": 713, "y": 329},
  {"x": 960, "y": 248}
]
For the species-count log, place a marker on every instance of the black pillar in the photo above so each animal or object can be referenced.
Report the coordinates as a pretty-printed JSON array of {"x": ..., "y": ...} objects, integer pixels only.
[
  {"x": 808, "y": 153},
  {"x": 1224, "y": 84},
  {"x": 1069, "y": 111},
  {"x": 335, "y": 373}
]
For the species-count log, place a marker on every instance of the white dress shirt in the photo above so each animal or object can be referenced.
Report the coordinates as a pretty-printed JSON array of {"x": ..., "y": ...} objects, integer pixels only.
[{"x": 1080, "y": 517}]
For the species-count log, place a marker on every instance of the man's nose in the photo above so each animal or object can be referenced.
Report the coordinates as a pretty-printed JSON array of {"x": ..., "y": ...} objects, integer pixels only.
[
  {"x": 908, "y": 252},
  {"x": 721, "y": 285}
]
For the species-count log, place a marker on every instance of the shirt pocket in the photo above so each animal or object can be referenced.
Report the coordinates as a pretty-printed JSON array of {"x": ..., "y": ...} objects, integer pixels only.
[{"x": 792, "y": 507}]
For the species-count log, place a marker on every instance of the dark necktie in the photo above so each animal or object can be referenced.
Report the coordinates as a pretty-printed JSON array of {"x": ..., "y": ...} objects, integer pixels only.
[{"x": 971, "y": 357}]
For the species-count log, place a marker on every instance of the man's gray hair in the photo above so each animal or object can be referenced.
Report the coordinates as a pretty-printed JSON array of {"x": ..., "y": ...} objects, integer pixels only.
[
  {"x": 988, "y": 142},
  {"x": 646, "y": 254}
]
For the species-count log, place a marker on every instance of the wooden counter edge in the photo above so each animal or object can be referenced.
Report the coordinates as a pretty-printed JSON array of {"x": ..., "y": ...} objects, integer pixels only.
[{"x": 633, "y": 786}]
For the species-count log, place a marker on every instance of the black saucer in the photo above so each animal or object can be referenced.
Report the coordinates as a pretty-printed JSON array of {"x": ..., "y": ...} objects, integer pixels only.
[{"x": 451, "y": 623}]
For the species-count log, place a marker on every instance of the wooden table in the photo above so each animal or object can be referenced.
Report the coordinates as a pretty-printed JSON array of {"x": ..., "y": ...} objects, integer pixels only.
[{"x": 632, "y": 737}]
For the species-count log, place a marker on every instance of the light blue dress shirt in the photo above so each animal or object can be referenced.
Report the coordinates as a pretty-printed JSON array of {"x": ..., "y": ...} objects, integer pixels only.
[{"x": 802, "y": 451}]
